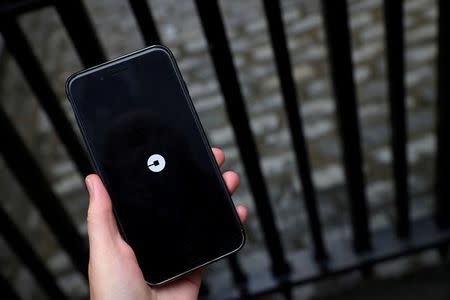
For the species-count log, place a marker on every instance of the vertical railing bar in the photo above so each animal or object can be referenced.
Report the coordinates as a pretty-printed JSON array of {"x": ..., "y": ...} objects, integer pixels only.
[
  {"x": 286, "y": 290},
  {"x": 442, "y": 211},
  {"x": 6, "y": 289},
  {"x": 393, "y": 15},
  {"x": 79, "y": 27},
  {"x": 145, "y": 21},
  {"x": 204, "y": 290},
  {"x": 278, "y": 38},
  {"x": 23, "y": 166},
  {"x": 338, "y": 39},
  {"x": 212, "y": 23},
  {"x": 20, "y": 49},
  {"x": 25, "y": 252},
  {"x": 239, "y": 277}
]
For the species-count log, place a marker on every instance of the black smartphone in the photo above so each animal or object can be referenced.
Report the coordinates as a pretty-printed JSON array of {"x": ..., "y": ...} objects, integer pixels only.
[{"x": 146, "y": 143}]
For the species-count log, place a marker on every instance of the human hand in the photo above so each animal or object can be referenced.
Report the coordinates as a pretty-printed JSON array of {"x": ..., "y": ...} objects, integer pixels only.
[{"x": 114, "y": 273}]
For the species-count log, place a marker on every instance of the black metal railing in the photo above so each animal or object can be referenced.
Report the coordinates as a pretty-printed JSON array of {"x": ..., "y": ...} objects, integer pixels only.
[{"x": 365, "y": 249}]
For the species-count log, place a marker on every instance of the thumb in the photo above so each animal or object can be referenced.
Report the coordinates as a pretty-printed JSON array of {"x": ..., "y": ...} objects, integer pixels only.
[{"x": 101, "y": 224}]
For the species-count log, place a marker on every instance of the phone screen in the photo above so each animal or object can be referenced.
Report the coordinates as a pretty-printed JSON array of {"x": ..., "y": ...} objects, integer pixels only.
[{"x": 150, "y": 151}]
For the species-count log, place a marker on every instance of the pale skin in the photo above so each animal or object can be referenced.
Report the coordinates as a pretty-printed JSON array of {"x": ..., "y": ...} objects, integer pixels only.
[{"x": 114, "y": 273}]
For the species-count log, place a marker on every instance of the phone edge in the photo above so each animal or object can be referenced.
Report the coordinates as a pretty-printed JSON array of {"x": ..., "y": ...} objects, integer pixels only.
[{"x": 71, "y": 79}]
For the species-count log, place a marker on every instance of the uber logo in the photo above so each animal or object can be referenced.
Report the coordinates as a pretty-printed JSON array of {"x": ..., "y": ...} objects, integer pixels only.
[{"x": 156, "y": 163}]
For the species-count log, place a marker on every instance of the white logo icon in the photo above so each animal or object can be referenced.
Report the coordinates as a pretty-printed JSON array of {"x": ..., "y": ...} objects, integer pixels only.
[{"x": 156, "y": 163}]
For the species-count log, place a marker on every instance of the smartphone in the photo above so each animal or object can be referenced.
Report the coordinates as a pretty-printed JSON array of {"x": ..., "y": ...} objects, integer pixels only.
[{"x": 146, "y": 142}]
